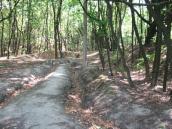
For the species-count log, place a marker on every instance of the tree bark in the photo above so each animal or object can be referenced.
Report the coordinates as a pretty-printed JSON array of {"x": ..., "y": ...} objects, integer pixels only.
[
  {"x": 85, "y": 35},
  {"x": 2, "y": 32},
  {"x": 29, "y": 29},
  {"x": 156, "y": 63},
  {"x": 114, "y": 37},
  {"x": 57, "y": 15},
  {"x": 140, "y": 45}
]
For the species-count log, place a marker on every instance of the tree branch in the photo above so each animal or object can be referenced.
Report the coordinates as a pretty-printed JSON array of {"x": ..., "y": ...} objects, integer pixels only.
[
  {"x": 142, "y": 4},
  {"x": 138, "y": 14},
  {"x": 94, "y": 18},
  {"x": 10, "y": 13}
]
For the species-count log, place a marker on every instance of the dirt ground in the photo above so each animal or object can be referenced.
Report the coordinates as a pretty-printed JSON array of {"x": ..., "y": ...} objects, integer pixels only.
[
  {"x": 96, "y": 99},
  {"x": 104, "y": 102},
  {"x": 23, "y": 72},
  {"x": 42, "y": 107},
  {"x": 18, "y": 74}
]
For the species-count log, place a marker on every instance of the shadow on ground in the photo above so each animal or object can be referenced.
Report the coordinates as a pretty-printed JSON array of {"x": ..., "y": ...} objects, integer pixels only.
[{"x": 109, "y": 102}]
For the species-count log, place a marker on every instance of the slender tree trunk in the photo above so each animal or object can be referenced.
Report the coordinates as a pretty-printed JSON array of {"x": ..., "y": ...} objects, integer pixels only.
[
  {"x": 140, "y": 45},
  {"x": 29, "y": 47},
  {"x": 166, "y": 30},
  {"x": 132, "y": 44},
  {"x": 55, "y": 30},
  {"x": 13, "y": 33},
  {"x": 167, "y": 38},
  {"x": 114, "y": 37},
  {"x": 10, "y": 28},
  {"x": 2, "y": 33},
  {"x": 97, "y": 40},
  {"x": 21, "y": 35},
  {"x": 57, "y": 19},
  {"x": 108, "y": 55},
  {"x": 157, "y": 57},
  {"x": 58, "y": 27},
  {"x": 85, "y": 35},
  {"x": 47, "y": 28}
]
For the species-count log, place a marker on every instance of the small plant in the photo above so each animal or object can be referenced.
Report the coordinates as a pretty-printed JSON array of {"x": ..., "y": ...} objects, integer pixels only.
[
  {"x": 3, "y": 65},
  {"x": 140, "y": 64}
]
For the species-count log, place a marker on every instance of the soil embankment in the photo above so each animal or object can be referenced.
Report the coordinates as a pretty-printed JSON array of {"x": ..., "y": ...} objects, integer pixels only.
[{"x": 101, "y": 101}]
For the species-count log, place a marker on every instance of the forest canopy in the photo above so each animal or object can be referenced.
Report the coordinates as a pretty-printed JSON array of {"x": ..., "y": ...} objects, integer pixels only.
[{"x": 134, "y": 33}]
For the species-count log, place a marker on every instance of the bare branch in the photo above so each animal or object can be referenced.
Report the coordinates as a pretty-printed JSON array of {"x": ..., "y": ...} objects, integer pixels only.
[
  {"x": 11, "y": 12},
  {"x": 142, "y": 4}
]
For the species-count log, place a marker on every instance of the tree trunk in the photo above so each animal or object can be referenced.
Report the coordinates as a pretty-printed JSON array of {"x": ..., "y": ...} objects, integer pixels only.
[
  {"x": 157, "y": 57},
  {"x": 29, "y": 47},
  {"x": 2, "y": 34},
  {"x": 140, "y": 45},
  {"x": 167, "y": 35},
  {"x": 114, "y": 37},
  {"x": 10, "y": 28},
  {"x": 58, "y": 27},
  {"x": 46, "y": 26},
  {"x": 85, "y": 35},
  {"x": 57, "y": 19}
]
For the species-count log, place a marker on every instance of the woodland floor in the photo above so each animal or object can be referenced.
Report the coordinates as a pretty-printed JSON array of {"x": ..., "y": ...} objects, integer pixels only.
[
  {"x": 96, "y": 99},
  {"x": 102, "y": 101}
]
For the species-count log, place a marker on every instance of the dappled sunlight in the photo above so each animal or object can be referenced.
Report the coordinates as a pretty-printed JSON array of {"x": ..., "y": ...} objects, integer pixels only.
[
  {"x": 19, "y": 85},
  {"x": 114, "y": 87},
  {"x": 22, "y": 59},
  {"x": 17, "y": 78},
  {"x": 98, "y": 82},
  {"x": 58, "y": 74},
  {"x": 19, "y": 62},
  {"x": 137, "y": 75},
  {"x": 95, "y": 61},
  {"x": 104, "y": 77},
  {"x": 10, "y": 122},
  {"x": 102, "y": 69},
  {"x": 158, "y": 88},
  {"x": 92, "y": 54},
  {"x": 93, "y": 58},
  {"x": 124, "y": 81},
  {"x": 76, "y": 98}
]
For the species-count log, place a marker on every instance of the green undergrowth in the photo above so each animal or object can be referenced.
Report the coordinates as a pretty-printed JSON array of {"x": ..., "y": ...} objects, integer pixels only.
[{"x": 3, "y": 65}]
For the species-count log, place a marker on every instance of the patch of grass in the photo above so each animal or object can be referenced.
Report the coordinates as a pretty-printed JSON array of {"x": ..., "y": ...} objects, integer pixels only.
[
  {"x": 18, "y": 86},
  {"x": 2, "y": 97},
  {"x": 140, "y": 62},
  {"x": 120, "y": 68},
  {"x": 3, "y": 65},
  {"x": 162, "y": 126}
]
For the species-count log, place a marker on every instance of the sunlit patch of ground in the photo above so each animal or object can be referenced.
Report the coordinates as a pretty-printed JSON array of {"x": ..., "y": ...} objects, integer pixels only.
[
  {"x": 8, "y": 65},
  {"x": 24, "y": 71},
  {"x": 93, "y": 58},
  {"x": 92, "y": 54},
  {"x": 20, "y": 73}
]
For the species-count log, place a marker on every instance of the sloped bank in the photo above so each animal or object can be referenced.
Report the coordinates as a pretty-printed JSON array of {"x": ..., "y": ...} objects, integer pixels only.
[
  {"x": 86, "y": 81},
  {"x": 104, "y": 102}
]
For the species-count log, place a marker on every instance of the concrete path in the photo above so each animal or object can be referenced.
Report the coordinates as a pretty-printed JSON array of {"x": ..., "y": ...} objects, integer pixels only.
[{"x": 42, "y": 107}]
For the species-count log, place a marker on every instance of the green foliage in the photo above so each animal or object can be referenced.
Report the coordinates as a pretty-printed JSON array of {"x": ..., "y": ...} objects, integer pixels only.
[
  {"x": 3, "y": 65},
  {"x": 120, "y": 68},
  {"x": 72, "y": 3},
  {"x": 150, "y": 57},
  {"x": 162, "y": 126},
  {"x": 140, "y": 62}
]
